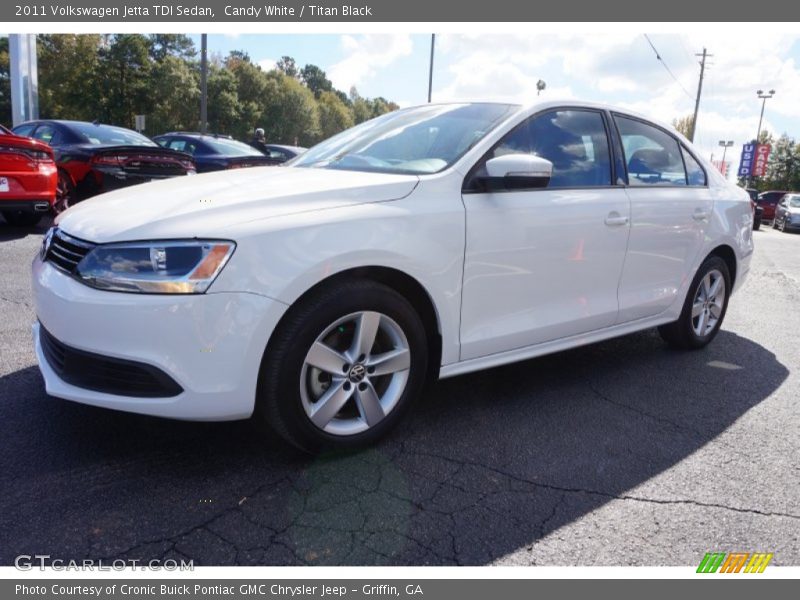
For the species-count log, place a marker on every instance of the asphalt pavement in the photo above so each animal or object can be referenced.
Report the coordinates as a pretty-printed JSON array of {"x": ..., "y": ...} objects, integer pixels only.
[{"x": 620, "y": 453}]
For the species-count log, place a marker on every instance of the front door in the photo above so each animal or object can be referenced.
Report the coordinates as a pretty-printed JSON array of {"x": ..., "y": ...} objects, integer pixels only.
[{"x": 545, "y": 264}]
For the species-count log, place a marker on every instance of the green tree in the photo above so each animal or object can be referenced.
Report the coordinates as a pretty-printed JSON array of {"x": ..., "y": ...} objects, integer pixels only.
[
  {"x": 69, "y": 84},
  {"x": 334, "y": 115},
  {"x": 316, "y": 80},
  {"x": 175, "y": 96},
  {"x": 290, "y": 115},
  {"x": 288, "y": 66},
  {"x": 171, "y": 44},
  {"x": 124, "y": 73},
  {"x": 251, "y": 90},
  {"x": 223, "y": 100},
  {"x": 683, "y": 125}
]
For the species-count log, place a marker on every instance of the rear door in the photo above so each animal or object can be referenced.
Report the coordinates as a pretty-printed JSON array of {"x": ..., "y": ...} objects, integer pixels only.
[{"x": 670, "y": 210}]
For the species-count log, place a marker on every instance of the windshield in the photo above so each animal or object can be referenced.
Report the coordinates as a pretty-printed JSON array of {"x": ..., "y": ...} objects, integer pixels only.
[
  {"x": 794, "y": 201},
  {"x": 101, "y": 135},
  {"x": 231, "y": 147},
  {"x": 417, "y": 141}
]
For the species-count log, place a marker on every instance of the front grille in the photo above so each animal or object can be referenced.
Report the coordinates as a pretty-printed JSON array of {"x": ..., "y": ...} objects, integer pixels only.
[
  {"x": 105, "y": 374},
  {"x": 65, "y": 251}
]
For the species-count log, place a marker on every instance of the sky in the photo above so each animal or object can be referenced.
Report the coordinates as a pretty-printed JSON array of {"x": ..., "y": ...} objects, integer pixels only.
[{"x": 619, "y": 68}]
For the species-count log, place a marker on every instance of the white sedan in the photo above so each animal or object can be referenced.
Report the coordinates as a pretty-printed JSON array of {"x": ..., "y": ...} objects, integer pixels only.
[{"x": 429, "y": 242}]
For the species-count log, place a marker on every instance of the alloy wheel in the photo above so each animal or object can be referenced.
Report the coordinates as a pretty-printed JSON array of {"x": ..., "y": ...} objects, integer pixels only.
[
  {"x": 63, "y": 194},
  {"x": 709, "y": 301},
  {"x": 355, "y": 373}
]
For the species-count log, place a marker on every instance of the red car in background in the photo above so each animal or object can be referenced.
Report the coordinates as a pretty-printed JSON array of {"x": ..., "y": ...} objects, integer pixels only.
[
  {"x": 28, "y": 179},
  {"x": 768, "y": 201},
  {"x": 93, "y": 158}
]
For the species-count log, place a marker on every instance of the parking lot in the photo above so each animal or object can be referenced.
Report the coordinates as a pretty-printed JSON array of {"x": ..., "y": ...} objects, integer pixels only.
[{"x": 621, "y": 453}]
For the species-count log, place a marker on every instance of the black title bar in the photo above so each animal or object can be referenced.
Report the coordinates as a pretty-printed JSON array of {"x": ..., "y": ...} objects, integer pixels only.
[{"x": 376, "y": 11}]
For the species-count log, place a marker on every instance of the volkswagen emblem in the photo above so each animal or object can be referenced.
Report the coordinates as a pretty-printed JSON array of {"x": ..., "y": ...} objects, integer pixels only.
[{"x": 357, "y": 373}]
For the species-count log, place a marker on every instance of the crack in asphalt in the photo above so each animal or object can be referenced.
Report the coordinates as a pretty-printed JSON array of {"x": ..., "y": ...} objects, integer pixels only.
[
  {"x": 16, "y": 302},
  {"x": 611, "y": 496}
]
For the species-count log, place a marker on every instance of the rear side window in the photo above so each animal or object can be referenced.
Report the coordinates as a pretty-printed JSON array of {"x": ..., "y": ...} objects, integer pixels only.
[
  {"x": 652, "y": 156},
  {"x": 48, "y": 134},
  {"x": 575, "y": 141},
  {"x": 182, "y": 146},
  {"x": 694, "y": 172}
]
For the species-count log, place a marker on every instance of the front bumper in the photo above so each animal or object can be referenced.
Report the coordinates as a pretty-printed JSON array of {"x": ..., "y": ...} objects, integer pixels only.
[{"x": 210, "y": 344}]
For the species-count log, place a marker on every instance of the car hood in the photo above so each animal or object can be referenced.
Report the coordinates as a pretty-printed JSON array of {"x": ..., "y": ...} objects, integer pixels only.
[{"x": 205, "y": 205}]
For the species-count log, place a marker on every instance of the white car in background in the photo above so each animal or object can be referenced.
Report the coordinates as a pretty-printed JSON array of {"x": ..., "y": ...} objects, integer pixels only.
[{"x": 431, "y": 241}]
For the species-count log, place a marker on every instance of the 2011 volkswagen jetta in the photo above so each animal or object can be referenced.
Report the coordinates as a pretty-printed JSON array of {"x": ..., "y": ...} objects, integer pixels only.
[{"x": 431, "y": 241}]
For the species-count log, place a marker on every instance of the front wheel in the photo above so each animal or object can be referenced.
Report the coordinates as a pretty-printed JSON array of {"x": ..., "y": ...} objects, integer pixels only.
[
  {"x": 704, "y": 308},
  {"x": 342, "y": 367}
]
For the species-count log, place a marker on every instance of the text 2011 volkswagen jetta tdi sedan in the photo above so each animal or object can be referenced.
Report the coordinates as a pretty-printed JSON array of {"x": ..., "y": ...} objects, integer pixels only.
[{"x": 431, "y": 241}]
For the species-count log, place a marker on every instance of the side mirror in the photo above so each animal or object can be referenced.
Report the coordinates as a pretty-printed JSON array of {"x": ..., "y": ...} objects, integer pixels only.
[{"x": 517, "y": 172}]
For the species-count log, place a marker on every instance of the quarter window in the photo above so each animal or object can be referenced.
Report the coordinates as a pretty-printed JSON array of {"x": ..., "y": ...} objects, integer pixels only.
[
  {"x": 575, "y": 141},
  {"x": 695, "y": 174},
  {"x": 652, "y": 156}
]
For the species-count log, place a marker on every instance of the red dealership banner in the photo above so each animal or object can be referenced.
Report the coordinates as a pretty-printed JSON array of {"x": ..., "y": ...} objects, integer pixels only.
[{"x": 760, "y": 160}]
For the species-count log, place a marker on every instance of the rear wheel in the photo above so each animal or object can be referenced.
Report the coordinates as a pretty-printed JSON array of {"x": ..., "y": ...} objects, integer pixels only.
[
  {"x": 342, "y": 367},
  {"x": 19, "y": 218},
  {"x": 756, "y": 223},
  {"x": 65, "y": 193},
  {"x": 704, "y": 307}
]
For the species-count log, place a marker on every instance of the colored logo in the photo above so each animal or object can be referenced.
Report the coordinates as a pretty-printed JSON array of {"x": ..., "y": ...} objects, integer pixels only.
[{"x": 734, "y": 562}]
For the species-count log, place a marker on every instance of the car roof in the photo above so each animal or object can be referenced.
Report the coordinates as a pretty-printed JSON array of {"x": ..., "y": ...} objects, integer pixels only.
[
  {"x": 541, "y": 105},
  {"x": 287, "y": 147},
  {"x": 197, "y": 134}
]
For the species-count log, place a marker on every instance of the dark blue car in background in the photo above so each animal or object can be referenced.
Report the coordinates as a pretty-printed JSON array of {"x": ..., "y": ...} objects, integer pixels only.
[{"x": 215, "y": 152}]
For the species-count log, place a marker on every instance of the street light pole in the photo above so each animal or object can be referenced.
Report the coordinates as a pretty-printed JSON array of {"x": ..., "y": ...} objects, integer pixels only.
[
  {"x": 430, "y": 68},
  {"x": 764, "y": 98},
  {"x": 203, "y": 82},
  {"x": 725, "y": 145}
]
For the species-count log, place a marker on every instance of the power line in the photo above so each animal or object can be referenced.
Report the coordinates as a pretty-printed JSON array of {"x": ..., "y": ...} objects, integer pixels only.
[{"x": 671, "y": 74}]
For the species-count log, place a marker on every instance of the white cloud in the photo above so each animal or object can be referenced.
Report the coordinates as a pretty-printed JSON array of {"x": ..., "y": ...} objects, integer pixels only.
[
  {"x": 622, "y": 69},
  {"x": 267, "y": 64},
  {"x": 365, "y": 55}
]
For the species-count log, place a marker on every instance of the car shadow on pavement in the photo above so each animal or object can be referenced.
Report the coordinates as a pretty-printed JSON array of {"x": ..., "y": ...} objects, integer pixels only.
[
  {"x": 12, "y": 232},
  {"x": 487, "y": 464}
]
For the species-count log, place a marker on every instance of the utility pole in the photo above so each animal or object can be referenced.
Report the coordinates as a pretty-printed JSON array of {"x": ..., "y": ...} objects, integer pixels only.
[
  {"x": 704, "y": 56},
  {"x": 203, "y": 82},
  {"x": 430, "y": 69}
]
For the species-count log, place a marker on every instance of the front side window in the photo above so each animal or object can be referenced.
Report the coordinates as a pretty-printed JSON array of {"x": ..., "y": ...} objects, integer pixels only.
[
  {"x": 652, "y": 156},
  {"x": 575, "y": 141}
]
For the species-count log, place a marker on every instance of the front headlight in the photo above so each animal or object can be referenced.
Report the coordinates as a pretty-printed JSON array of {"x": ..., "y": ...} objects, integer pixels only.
[{"x": 162, "y": 267}]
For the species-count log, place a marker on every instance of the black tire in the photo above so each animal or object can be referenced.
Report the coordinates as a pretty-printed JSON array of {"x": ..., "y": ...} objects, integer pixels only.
[
  {"x": 680, "y": 334},
  {"x": 279, "y": 403},
  {"x": 19, "y": 218},
  {"x": 65, "y": 193},
  {"x": 756, "y": 223}
]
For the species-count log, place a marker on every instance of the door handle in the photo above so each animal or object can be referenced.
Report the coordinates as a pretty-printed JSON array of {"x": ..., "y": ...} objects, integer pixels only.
[
  {"x": 614, "y": 219},
  {"x": 700, "y": 214}
]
